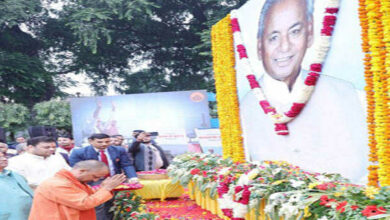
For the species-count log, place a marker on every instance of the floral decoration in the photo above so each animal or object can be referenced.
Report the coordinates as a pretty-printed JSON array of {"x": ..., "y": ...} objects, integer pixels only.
[
  {"x": 288, "y": 191},
  {"x": 375, "y": 22},
  {"x": 225, "y": 84}
]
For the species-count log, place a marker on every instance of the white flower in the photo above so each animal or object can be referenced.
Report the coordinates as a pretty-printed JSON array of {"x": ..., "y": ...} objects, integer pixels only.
[
  {"x": 323, "y": 178},
  {"x": 275, "y": 196},
  {"x": 239, "y": 210},
  {"x": 323, "y": 218},
  {"x": 288, "y": 210},
  {"x": 224, "y": 171},
  {"x": 253, "y": 173},
  {"x": 295, "y": 198},
  {"x": 276, "y": 171},
  {"x": 296, "y": 183},
  {"x": 243, "y": 180},
  {"x": 269, "y": 208},
  {"x": 256, "y": 163}
]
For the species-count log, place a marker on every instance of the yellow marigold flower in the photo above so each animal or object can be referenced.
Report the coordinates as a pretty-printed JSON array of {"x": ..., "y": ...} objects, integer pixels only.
[
  {"x": 371, "y": 191},
  {"x": 338, "y": 194},
  {"x": 279, "y": 182},
  {"x": 307, "y": 213},
  {"x": 312, "y": 185}
]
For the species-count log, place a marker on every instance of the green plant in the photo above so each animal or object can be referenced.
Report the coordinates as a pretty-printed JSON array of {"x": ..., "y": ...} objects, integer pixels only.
[
  {"x": 129, "y": 206},
  {"x": 53, "y": 113},
  {"x": 13, "y": 117}
]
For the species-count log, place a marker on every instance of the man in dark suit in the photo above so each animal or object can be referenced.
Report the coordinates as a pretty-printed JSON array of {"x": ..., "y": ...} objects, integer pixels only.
[{"x": 114, "y": 157}]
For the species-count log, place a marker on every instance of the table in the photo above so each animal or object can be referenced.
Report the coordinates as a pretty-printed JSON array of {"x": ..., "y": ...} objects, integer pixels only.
[{"x": 159, "y": 189}]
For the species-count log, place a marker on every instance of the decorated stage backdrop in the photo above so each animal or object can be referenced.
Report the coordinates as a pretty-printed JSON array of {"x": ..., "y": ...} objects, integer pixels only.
[
  {"x": 295, "y": 85},
  {"x": 165, "y": 112}
]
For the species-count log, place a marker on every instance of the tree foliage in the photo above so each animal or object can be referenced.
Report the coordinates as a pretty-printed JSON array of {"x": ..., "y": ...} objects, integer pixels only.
[
  {"x": 53, "y": 113},
  {"x": 140, "y": 45},
  {"x": 14, "y": 117},
  {"x": 144, "y": 45},
  {"x": 23, "y": 77}
]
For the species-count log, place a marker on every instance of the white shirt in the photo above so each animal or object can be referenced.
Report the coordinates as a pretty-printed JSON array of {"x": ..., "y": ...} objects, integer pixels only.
[
  {"x": 111, "y": 166},
  {"x": 278, "y": 91},
  {"x": 329, "y": 135},
  {"x": 36, "y": 168}
]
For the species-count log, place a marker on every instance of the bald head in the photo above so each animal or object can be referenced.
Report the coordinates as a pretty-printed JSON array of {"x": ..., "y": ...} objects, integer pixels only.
[
  {"x": 90, "y": 170},
  {"x": 92, "y": 165}
]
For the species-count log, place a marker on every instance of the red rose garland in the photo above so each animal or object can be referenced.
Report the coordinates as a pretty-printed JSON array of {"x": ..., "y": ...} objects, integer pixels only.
[{"x": 281, "y": 120}]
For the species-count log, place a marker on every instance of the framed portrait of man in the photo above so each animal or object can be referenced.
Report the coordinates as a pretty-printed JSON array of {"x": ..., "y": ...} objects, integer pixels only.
[{"x": 283, "y": 38}]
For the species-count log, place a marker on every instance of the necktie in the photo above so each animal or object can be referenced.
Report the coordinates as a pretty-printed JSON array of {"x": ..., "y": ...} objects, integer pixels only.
[{"x": 103, "y": 157}]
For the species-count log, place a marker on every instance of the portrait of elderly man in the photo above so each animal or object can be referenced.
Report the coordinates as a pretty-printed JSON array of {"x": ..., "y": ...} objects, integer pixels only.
[{"x": 329, "y": 135}]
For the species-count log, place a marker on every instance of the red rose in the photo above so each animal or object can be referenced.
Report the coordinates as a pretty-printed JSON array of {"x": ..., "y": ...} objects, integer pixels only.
[
  {"x": 341, "y": 206},
  {"x": 195, "y": 171},
  {"x": 325, "y": 201},
  {"x": 311, "y": 80},
  {"x": 222, "y": 189},
  {"x": 372, "y": 210},
  {"x": 354, "y": 207},
  {"x": 227, "y": 212},
  {"x": 204, "y": 173},
  {"x": 245, "y": 196},
  {"x": 296, "y": 108},
  {"x": 325, "y": 186}
]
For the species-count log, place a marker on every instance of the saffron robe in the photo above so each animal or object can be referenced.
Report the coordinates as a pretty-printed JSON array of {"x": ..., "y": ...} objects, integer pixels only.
[{"x": 63, "y": 197}]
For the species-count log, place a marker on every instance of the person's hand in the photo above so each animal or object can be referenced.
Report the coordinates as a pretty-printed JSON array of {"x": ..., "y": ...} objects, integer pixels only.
[{"x": 111, "y": 182}]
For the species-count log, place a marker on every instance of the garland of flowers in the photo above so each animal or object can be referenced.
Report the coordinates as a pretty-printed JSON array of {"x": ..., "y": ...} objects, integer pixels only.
[
  {"x": 381, "y": 96},
  {"x": 281, "y": 119},
  {"x": 225, "y": 84},
  {"x": 384, "y": 151},
  {"x": 373, "y": 168}
]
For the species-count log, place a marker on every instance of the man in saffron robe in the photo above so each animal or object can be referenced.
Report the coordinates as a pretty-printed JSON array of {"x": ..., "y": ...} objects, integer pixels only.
[{"x": 66, "y": 196}]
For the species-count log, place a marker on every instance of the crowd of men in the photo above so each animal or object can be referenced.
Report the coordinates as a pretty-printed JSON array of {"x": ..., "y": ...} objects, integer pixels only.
[{"x": 52, "y": 179}]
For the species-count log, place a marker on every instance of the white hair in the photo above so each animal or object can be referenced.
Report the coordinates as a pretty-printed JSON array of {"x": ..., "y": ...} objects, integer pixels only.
[{"x": 268, "y": 5}]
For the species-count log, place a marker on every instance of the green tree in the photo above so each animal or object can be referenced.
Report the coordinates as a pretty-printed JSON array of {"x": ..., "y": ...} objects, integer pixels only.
[
  {"x": 144, "y": 45},
  {"x": 14, "y": 117},
  {"x": 23, "y": 78},
  {"x": 53, "y": 113}
]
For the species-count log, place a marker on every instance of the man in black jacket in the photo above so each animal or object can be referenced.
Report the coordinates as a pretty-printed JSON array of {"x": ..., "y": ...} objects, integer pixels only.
[{"x": 147, "y": 154}]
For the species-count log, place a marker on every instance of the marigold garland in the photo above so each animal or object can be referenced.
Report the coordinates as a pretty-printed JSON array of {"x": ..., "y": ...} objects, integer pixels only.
[
  {"x": 375, "y": 46},
  {"x": 369, "y": 88},
  {"x": 225, "y": 84},
  {"x": 384, "y": 151}
]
